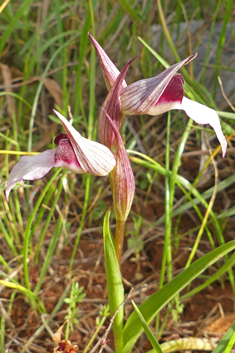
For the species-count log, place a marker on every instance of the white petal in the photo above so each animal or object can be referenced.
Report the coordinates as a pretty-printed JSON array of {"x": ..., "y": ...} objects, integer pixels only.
[
  {"x": 204, "y": 115},
  {"x": 30, "y": 168},
  {"x": 94, "y": 158},
  {"x": 163, "y": 107}
]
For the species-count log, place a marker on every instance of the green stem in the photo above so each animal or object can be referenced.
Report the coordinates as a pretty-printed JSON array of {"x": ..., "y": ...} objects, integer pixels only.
[
  {"x": 166, "y": 256},
  {"x": 119, "y": 238}
]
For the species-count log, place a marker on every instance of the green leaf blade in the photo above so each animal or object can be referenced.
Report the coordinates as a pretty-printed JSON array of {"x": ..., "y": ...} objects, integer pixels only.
[
  {"x": 226, "y": 343},
  {"x": 147, "y": 330}
]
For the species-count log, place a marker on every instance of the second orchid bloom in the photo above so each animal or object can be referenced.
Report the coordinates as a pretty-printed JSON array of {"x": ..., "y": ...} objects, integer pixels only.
[{"x": 159, "y": 94}]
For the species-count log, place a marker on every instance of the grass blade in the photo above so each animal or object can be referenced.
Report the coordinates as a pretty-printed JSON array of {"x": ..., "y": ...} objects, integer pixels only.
[
  {"x": 25, "y": 5},
  {"x": 128, "y": 9},
  {"x": 147, "y": 330},
  {"x": 226, "y": 344},
  {"x": 228, "y": 264},
  {"x": 37, "y": 94}
]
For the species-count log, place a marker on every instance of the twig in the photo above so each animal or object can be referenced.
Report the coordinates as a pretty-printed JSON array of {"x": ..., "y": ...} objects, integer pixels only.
[
  {"x": 224, "y": 95},
  {"x": 102, "y": 341}
]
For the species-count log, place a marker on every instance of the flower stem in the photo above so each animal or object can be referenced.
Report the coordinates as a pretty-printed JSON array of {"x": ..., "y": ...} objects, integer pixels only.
[{"x": 119, "y": 238}]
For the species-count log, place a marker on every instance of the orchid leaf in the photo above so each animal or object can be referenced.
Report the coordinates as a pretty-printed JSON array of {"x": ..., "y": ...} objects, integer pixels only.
[
  {"x": 152, "y": 306},
  {"x": 114, "y": 284},
  {"x": 147, "y": 330}
]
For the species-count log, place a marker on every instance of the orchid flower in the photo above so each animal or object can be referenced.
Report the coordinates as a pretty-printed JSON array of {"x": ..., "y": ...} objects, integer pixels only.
[
  {"x": 159, "y": 94},
  {"x": 73, "y": 152}
]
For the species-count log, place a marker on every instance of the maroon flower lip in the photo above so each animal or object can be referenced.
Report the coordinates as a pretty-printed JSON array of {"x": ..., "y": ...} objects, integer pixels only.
[
  {"x": 65, "y": 155},
  {"x": 174, "y": 91}
]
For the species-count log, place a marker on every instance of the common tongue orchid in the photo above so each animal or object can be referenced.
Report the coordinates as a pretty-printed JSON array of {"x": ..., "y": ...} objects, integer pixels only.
[
  {"x": 159, "y": 94},
  {"x": 73, "y": 152}
]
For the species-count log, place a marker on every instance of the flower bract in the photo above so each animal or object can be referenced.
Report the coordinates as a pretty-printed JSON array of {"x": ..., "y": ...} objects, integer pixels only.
[
  {"x": 110, "y": 72},
  {"x": 121, "y": 178}
]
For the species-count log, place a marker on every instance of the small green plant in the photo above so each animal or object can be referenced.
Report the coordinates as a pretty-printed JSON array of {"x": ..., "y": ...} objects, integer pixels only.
[
  {"x": 177, "y": 310},
  {"x": 76, "y": 296},
  {"x": 134, "y": 240},
  {"x": 136, "y": 243}
]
